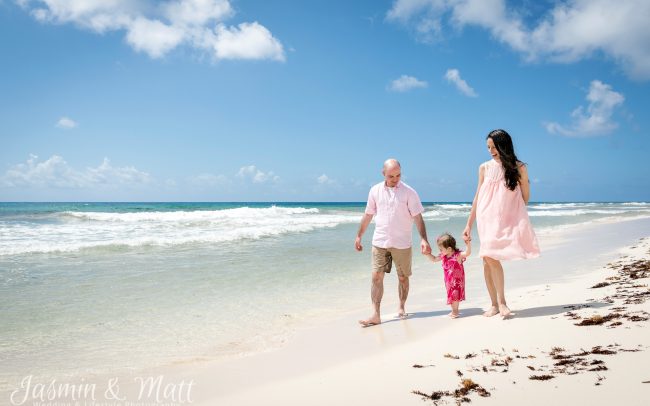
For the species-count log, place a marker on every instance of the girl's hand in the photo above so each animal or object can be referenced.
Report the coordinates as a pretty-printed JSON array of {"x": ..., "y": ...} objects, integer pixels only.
[{"x": 432, "y": 257}]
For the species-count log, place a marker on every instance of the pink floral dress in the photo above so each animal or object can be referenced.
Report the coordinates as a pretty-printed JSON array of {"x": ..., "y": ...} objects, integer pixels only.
[{"x": 454, "y": 277}]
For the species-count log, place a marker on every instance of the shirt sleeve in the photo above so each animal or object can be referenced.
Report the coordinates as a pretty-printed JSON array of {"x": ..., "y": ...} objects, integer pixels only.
[
  {"x": 371, "y": 206},
  {"x": 414, "y": 204}
]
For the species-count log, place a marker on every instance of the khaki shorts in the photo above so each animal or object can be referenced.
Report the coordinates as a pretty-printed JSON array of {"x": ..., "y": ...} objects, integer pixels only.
[{"x": 382, "y": 259}]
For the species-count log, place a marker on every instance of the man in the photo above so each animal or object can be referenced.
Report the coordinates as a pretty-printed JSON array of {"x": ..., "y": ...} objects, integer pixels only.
[{"x": 395, "y": 206}]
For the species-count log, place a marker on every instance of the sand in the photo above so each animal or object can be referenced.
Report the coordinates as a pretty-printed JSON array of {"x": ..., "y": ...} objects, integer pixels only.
[
  {"x": 339, "y": 363},
  {"x": 431, "y": 359}
]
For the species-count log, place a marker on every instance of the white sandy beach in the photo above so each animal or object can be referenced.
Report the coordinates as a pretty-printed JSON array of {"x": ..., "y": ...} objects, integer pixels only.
[{"x": 339, "y": 363}]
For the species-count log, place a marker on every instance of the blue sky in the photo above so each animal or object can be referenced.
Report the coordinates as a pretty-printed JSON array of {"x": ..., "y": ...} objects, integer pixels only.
[{"x": 242, "y": 100}]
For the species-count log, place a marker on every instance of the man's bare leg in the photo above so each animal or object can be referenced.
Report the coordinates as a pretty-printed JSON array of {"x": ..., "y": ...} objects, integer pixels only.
[
  {"x": 489, "y": 282},
  {"x": 376, "y": 293},
  {"x": 403, "y": 290}
]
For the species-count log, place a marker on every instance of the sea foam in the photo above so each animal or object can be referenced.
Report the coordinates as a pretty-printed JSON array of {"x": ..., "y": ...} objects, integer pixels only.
[{"x": 71, "y": 231}]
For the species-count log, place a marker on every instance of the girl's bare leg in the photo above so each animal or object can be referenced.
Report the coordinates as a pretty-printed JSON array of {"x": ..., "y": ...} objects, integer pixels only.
[{"x": 454, "y": 310}]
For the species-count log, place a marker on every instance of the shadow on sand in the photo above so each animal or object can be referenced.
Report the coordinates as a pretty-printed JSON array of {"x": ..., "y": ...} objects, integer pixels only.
[
  {"x": 558, "y": 309},
  {"x": 520, "y": 313},
  {"x": 474, "y": 311}
]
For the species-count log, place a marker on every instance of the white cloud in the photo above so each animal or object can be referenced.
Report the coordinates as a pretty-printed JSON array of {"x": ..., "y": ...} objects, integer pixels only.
[
  {"x": 324, "y": 180},
  {"x": 404, "y": 10},
  {"x": 571, "y": 31},
  {"x": 405, "y": 83},
  {"x": 246, "y": 41},
  {"x": 153, "y": 37},
  {"x": 253, "y": 174},
  {"x": 96, "y": 15},
  {"x": 423, "y": 15},
  {"x": 56, "y": 172},
  {"x": 67, "y": 123},
  {"x": 453, "y": 76},
  {"x": 597, "y": 120},
  {"x": 157, "y": 28},
  {"x": 198, "y": 12}
]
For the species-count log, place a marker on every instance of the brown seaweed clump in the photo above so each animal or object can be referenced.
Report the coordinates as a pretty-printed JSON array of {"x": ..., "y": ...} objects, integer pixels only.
[
  {"x": 600, "y": 285},
  {"x": 600, "y": 351},
  {"x": 541, "y": 377},
  {"x": 597, "y": 319},
  {"x": 467, "y": 387}
]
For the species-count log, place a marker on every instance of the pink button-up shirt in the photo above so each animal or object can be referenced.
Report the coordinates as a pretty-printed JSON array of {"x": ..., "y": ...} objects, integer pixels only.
[{"x": 394, "y": 209}]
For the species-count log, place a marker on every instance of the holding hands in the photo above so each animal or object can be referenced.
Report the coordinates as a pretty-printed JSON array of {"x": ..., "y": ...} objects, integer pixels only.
[
  {"x": 467, "y": 234},
  {"x": 425, "y": 247}
]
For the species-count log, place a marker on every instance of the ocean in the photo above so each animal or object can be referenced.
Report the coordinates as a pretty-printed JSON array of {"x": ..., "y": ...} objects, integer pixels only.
[{"x": 96, "y": 288}]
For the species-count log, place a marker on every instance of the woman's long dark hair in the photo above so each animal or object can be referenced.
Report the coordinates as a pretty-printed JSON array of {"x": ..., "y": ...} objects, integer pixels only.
[{"x": 503, "y": 144}]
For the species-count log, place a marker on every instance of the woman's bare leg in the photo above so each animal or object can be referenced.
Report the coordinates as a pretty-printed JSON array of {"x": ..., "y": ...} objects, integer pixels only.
[
  {"x": 496, "y": 271},
  {"x": 492, "y": 290}
]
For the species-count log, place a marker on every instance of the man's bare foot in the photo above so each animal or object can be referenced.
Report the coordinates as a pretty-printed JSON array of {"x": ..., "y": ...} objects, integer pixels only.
[
  {"x": 505, "y": 311},
  {"x": 491, "y": 312},
  {"x": 373, "y": 321},
  {"x": 401, "y": 313}
]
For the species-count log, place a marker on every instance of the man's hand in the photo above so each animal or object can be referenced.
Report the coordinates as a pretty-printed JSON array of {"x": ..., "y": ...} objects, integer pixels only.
[
  {"x": 365, "y": 220},
  {"x": 357, "y": 244},
  {"x": 426, "y": 248}
]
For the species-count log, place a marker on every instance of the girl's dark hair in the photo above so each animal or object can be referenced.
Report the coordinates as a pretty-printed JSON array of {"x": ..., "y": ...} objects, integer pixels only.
[
  {"x": 509, "y": 161},
  {"x": 447, "y": 241}
]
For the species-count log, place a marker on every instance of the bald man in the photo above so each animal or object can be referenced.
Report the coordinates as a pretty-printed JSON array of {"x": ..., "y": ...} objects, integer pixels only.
[{"x": 395, "y": 207}]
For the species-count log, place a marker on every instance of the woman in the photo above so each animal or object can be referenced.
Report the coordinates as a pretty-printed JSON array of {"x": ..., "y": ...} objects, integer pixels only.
[{"x": 499, "y": 208}]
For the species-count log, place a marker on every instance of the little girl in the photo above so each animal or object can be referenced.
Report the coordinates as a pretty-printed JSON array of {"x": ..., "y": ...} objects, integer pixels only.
[{"x": 452, "y": 264}]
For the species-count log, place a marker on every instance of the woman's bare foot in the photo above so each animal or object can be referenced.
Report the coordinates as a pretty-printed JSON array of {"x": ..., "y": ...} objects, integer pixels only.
[
  {"x": 505, "y": 311},
  {"x": 491, "y": 312},
  {"x": 453, "y": 315},
  {"x": 372, "y": 321}
]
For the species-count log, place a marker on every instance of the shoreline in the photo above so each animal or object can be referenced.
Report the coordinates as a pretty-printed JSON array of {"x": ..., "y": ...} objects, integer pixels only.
[{"x": 316, "y": 354}]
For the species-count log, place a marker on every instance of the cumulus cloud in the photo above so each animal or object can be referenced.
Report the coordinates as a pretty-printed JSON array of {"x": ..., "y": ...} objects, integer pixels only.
[
  {"x": 56, "y": 172},
  {"x": 568, "y": 32},
  {"x": 255, "y": 175},
  {"x": 67, "y": 123},
  {"x": 424, "y": 16},
  {"x": 157, "y": 28},
  {"x": 405, "y": 83},
  {"x": 597, "y": 119},
  {"x": 153, "y": 37},
  {"x": 246, "y": 41},
  {"x": 453, "y": 76},
  {"x": 197, "y": 12}
]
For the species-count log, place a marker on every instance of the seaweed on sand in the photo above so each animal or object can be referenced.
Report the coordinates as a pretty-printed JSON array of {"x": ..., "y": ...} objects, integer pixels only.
[{"x": 541, "y": 377}]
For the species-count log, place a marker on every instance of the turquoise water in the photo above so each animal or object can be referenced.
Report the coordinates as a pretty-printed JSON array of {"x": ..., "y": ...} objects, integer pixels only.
[{"x": 98, "y": 287}]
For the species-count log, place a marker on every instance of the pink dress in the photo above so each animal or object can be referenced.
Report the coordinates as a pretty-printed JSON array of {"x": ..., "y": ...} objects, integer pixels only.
[
  {"x": 454, "y": 277},
  {"x": 502, "y": 219}
]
